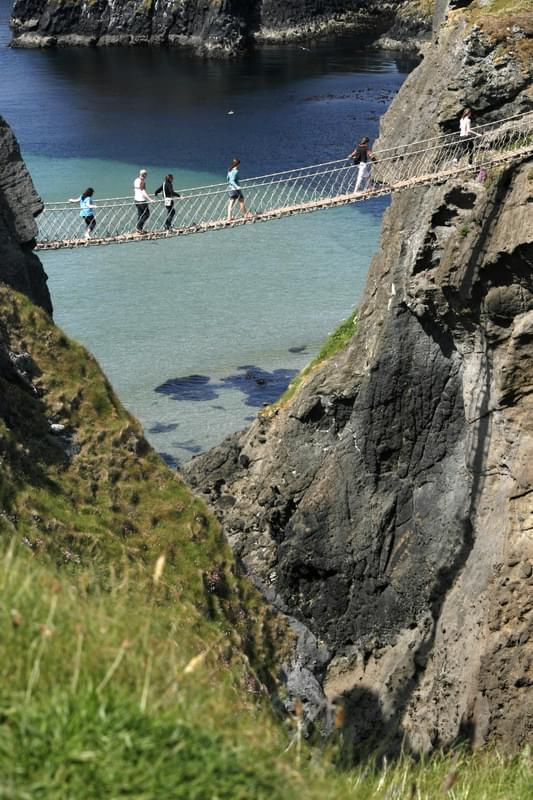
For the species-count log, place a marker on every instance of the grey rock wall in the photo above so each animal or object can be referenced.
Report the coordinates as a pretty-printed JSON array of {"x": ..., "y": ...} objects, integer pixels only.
[
  {"x": 19, "y": 205},
  {"x": 389, "y": 505},
  {"x": 216, "y": 27}
]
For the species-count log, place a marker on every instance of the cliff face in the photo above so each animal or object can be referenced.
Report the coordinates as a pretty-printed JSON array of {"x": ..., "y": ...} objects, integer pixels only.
[
  {"x": 222, "y": 27},
  {"x": 19, "y": 204},
  {"x": 389, "y": 504}
]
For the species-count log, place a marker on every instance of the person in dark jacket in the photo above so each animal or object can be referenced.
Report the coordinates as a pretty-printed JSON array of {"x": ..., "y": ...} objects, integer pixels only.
[
  {"x": 362, "y": 157},
  {"x": 167, "y": 189}
]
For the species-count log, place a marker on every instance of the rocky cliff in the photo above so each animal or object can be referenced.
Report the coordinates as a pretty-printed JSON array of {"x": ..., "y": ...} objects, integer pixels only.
[
  {"x": 19, "y": 204},
  {"x": 217, "y": 27},
  {"x": 389, "y": 504}
]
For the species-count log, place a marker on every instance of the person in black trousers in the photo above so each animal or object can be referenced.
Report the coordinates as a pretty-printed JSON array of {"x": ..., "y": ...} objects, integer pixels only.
[
  {"x": 168, "y": 193},
  {"x": 141, "y": 198}
]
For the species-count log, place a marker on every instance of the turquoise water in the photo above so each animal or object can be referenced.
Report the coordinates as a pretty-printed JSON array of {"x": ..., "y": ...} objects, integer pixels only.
[
  {"x": 206, "y": 305},
  {"x": 241, "y": 310}
]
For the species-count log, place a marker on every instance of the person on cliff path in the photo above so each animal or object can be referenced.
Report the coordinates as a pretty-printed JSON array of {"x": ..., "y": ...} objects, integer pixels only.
[
  {"x": 362, "y": 157},
  {"x": 142, "y": 198},
  {"x": 167, "y": 189},
  {"x": 86, "y": 210},
  {"x": 466, "y": 133},
  {"x": 234, "y": 189}
]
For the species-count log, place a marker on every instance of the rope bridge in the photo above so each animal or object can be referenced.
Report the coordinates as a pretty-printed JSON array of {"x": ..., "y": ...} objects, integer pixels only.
[{"x": 294, "y": 191}]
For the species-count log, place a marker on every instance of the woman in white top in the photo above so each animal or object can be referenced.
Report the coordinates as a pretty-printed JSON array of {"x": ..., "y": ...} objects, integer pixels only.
[
  {"x": 466, "y": 134},
  {"x": 141, "y": 198}
]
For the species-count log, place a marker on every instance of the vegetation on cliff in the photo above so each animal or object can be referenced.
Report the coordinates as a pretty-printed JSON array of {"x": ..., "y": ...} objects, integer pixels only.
[
  {"x": 135, "y": 662},
  {"x": 118, "y": 692},
  {"x": 333, "y": 344}
]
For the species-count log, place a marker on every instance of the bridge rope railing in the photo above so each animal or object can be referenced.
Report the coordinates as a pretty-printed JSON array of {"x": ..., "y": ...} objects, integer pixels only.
[{"x": 295, "y": 190}]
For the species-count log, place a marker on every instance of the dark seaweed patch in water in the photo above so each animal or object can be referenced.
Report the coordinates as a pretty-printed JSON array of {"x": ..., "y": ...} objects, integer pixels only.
[
  {"x": 190, "y": 387},
  {"x": 259, "y": 386},
  {"x": 169, "y": 460},
  {"x": 161, "y": 427},
  {"x": 190, "y": 446},
  {"x": 298, "y": 349}
]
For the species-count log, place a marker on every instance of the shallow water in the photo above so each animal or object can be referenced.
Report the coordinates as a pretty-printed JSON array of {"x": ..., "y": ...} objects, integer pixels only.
[{"x": 243, "y": 309}]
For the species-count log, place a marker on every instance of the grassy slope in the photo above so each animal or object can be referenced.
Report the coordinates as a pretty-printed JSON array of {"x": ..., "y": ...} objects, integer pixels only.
[
  {"x": 100, "y": 699},
  {"x": 115, "y": 692},
  {"x": 126, "y": 675},
  {"x": 497, "y": 18},
  {"x": 99, "y": 523}
]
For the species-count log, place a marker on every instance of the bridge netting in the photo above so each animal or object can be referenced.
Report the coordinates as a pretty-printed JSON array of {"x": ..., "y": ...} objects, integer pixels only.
[{"x": 293, "y": 191}]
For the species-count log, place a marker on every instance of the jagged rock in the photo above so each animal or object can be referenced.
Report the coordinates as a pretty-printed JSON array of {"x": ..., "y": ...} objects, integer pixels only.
[
  {"x": 410, "y": 30},
  {"x": 19, "y": 205},
  {"x": 212, "y": 27},
  {"x": 388, "y": 505}
]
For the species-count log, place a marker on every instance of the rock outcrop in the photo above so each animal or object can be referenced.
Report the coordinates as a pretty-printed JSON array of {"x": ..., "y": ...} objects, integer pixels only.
[
  {"x": 19, "y": 204},
  {"x": 211, "y": 26},
  {"x": 389, "y": 504},
  {"x": 410, "y": 28}
]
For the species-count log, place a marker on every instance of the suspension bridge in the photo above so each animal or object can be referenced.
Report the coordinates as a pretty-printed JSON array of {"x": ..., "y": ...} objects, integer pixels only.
[{"x": 294, "y": 191}]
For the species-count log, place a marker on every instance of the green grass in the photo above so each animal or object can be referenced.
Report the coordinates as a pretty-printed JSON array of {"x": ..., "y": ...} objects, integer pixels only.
[
  {"x": 134, "y": 660},
  {"x": 86, "y": 747},
  {"x": 119, "y": 692},
  {"x": 114, "y": 500},
  {"x": 112, "y": 693},
  {"x": 507, "y": 6},
  {"x": 333, "y": 344}
]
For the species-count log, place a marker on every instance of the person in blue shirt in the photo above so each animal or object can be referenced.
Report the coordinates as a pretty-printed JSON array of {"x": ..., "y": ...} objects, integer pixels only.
[
  {"x": 234, "y": 189},
  {"x": 86, "y": 210}
]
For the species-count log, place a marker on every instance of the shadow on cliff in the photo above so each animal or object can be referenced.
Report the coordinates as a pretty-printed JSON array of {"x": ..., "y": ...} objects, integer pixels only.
[
  {"x": 368, "y": 733},
  {"x": 479, "y": 248},
  {"x": 365, "y": 734},
  {"x": 28, "y": 447},
  {"x": 368, "y": 738}
]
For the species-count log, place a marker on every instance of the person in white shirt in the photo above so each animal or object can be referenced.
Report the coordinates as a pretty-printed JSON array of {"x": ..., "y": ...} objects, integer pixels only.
[
  {"x": 466, "y": 134},
  {"x": 142, "y": 198}
]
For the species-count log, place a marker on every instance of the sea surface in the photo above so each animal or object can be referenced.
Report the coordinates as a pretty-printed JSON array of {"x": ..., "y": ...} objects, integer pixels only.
[{"x": 197, "y": 333}]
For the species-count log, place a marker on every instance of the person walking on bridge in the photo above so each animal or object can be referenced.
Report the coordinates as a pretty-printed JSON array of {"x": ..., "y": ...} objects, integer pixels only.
[
  {"x": 362, "y": 157},
  {"x": 466, "y": 134},
  {"x": 168, "y": 193},
  {"x": 86, "y": 210},
  {"x": 142, "y": 198},
  {"x": 234, "y": 189}
]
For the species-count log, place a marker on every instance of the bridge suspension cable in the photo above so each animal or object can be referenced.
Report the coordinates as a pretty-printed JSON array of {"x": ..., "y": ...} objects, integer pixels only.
[{"x": 293, "y": 191}]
